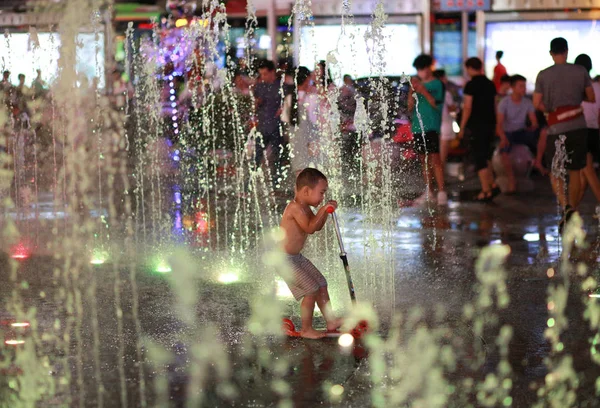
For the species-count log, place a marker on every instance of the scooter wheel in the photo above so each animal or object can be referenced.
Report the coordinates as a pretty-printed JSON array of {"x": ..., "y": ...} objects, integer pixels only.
[
  {"x": 288, "y": 326},
  {"x": 360, "y": 329}
]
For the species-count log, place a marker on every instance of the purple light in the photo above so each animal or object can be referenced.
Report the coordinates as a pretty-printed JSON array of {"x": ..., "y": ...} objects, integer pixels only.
[
  {"x": 174, "y": 117},
  {"x": 172, "y": 98},
  {"x": 172, "y": 91},
  {"x": 173, "y": 105},
  {"x": 176, "y": 131}
]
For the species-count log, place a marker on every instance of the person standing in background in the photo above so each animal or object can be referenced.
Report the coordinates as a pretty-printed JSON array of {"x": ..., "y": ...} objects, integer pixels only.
[
  {"x": 590, "y": 112},
  {"x": 426, "y": 105},
  {"x": 446, "y": 133},
  {"x": 38, "y": 85},
  {"x": 559, "y": 91},
  {"x": 478, "y": 123},
  {"x": 347, "y": 109},
  {"x": 499, "y": 71},
  {"x": 268, "y": 104}
]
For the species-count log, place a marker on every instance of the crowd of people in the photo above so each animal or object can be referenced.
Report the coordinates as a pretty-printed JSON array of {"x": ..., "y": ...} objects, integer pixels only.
[
  {"x": 18, "y": 97},
  {"x": 559, "y": 124},
  {"x": 291, "y": 107}
]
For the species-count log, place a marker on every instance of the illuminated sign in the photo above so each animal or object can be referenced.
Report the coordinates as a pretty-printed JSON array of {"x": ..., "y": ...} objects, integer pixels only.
[{"x": 462, "y": 5}]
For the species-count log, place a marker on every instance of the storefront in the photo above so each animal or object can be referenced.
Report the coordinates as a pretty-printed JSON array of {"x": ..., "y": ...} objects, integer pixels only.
[
  {"x": 363, "y": 47},
  {"x": 525, "y": 39},
  {"x": 32, "y": 42}
]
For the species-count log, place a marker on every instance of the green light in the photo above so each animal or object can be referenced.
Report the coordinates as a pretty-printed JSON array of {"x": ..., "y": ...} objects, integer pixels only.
[
  {"x": 551, "y": 322},
  {"x": 228, "y": 277},
  {"x": 560, "y": 347},
  {"x": 162, "y": 267},
  {"x": 507, "y": 401},
  {"x": 99, "y": 257}
]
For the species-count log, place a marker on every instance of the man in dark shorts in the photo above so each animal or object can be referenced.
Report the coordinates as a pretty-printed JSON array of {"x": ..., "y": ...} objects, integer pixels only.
[
  {"x": 426, "y": 106},
  {"x": 478, "y": 124},
  {"x": 559, "y": 92}
]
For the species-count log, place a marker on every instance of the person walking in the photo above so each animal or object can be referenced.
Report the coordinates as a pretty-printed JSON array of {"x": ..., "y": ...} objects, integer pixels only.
[
  {"x": 559, "y": 91},
  {"x": 478, "y": 125}
]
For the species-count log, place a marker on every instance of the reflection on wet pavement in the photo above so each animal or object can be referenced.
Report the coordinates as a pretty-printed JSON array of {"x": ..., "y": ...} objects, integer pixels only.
[{"x": 431, "y": 270}]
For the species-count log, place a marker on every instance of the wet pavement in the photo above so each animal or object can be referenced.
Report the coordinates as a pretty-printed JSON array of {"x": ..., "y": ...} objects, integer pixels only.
[{"x": 130, "y": 336}]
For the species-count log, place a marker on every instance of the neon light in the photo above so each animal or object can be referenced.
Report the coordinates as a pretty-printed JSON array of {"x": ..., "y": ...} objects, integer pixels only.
[
  {"x": 14, "y": 342},
  {"x": 23, "y": 324}
]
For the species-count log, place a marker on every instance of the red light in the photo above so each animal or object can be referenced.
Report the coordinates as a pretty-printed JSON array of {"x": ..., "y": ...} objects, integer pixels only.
[
  {"x": 20, "y": 252},
  {"x": 146, "y": 26},
  {"x": 201, "y": 222}
]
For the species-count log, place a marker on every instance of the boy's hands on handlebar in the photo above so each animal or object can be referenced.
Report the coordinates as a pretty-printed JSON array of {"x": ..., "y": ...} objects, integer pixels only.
[{"x": 331, "y": 206}]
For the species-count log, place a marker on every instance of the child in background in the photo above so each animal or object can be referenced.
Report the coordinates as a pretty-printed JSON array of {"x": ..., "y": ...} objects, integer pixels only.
[{"x": 298, "y": 221}]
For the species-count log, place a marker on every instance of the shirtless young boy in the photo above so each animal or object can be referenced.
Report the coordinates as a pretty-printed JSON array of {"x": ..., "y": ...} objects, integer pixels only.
[{"x": 298, "y": 221}]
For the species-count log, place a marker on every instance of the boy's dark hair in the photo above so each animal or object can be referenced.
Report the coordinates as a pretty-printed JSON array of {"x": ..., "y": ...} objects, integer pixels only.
[
  {"x": 309, "y": 177},
  {"x": 474, "y": 63},
  {"x": 585, "y": 61},
  {"x": 505, "y": 78},
  {"x": 439, "y": 73},
  {"x": 268, "y": 64},
  {"x": 347, "y": 77},
  {"x": 423, "y": 61},
  {"x": 559, "y": 46},
  {"x": 499, "y": 54},
  {"x": 21, "y": 76},
  {"x": 516, "y": 78}
]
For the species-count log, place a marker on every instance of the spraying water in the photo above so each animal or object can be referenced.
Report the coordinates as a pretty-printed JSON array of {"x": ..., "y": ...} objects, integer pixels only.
[{"x": 144, "y": 254}]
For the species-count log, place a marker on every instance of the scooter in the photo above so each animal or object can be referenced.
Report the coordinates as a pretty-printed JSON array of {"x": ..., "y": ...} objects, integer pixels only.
[{"x": 362, "y": 327}]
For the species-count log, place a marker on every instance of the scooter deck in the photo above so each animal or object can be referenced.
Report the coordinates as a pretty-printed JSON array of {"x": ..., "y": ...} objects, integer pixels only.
[{"x": 290, "y": 330}]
